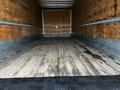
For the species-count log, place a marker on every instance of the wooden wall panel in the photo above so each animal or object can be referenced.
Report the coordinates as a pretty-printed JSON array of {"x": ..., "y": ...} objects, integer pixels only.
[
  {"x": 15, "y": 11},
  {"x": 85, "y": 12},
  {"x": 12, "y": 32},
  {"x": 56, "y": 21}
]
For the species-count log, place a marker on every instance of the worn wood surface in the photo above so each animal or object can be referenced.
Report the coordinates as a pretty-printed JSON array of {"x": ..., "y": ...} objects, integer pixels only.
[
  {"x": 58, "y": 57},
  {"x": 56, "y": 21}
]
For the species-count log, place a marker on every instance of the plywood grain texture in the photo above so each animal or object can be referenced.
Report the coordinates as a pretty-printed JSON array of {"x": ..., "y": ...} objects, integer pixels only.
[
  {"x": 56, "y": 21},
  {"x": 12, "y": 32},
  {"x": 103, "y": 31},
  {"x": 15, "y": 11},
  {"x": 96, "y": 10}
]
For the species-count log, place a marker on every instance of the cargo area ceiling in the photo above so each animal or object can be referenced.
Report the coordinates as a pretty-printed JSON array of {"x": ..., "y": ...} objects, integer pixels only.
[{"x": 56, "y": 3}]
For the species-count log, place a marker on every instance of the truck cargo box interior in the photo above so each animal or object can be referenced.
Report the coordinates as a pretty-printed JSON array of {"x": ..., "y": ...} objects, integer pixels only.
[{"x": 59, "y": 44}]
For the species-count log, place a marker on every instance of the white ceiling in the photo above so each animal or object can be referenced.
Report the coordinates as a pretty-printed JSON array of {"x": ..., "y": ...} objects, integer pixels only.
[{"x": 56, "y": 3}]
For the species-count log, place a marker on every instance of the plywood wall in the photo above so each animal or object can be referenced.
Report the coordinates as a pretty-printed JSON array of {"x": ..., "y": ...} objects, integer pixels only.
[
  {"x": 85, "y": 11},
  {"x": 56, "y": 21},
  {"x": 12, "y": 32},
  {"x": 15, "y": 11}
]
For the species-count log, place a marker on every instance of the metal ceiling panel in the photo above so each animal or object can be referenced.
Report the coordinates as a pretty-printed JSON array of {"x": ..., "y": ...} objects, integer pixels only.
[{"x": 56, "y": 3}]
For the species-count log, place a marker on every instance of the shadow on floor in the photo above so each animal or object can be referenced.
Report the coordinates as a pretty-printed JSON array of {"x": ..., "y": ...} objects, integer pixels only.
[{"x": 62, "y": 83}]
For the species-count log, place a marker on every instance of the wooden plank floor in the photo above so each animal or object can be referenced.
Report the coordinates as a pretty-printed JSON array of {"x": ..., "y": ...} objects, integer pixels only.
[{"x": 58, "y": 57}]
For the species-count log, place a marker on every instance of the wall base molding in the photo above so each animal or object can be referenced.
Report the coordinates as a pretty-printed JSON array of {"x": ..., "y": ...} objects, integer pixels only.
[{"x": 57, "y": 35}]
